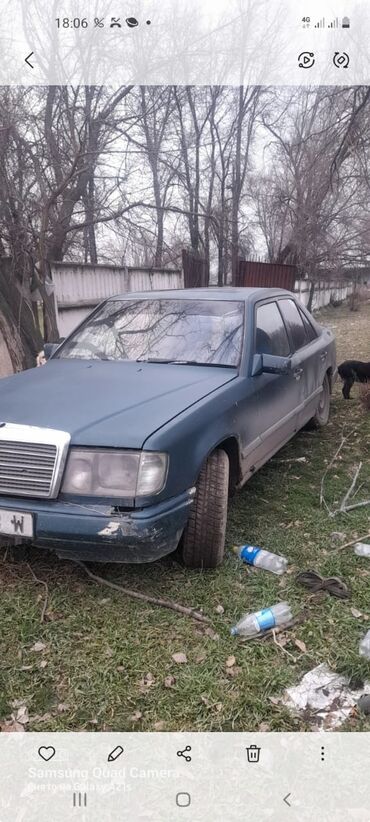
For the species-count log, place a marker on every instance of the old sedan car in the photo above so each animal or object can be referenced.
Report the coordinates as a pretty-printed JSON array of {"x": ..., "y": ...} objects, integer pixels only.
[{"x": 131, "y": 437}]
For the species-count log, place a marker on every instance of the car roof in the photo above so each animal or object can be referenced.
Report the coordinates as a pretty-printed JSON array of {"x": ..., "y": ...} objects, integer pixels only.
[{"x": 211, "y": 293}]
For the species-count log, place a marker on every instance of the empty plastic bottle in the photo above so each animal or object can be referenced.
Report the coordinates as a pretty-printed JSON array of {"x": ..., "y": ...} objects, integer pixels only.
[
  {"x": 362, "y": 550},
  {"x": 365, "y": 646},
  {"x": 260, "y": 558},
  {"x": 253, "y": 624}
]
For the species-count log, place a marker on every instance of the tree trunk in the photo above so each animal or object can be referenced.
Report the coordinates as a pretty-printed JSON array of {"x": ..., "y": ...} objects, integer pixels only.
[
  {"x": 236, "y": 191},
  {"x": 311, "y": 295},
  {"x": 17, "y": 323}
]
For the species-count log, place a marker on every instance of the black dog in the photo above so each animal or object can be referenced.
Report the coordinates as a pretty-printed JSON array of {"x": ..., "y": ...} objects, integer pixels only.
[{"x": 352, "y": 371}]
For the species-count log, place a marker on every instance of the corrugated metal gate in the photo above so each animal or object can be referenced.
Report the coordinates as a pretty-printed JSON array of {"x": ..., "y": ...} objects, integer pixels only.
[{"x": 266, "y": 275}]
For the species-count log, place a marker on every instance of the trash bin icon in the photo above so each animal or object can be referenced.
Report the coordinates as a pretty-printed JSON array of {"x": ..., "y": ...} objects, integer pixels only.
[{"x": 253, "y": 753}]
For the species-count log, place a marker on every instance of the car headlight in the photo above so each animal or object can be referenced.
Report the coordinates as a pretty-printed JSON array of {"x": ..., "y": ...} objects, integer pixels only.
[{"x": 113, "y": 473}]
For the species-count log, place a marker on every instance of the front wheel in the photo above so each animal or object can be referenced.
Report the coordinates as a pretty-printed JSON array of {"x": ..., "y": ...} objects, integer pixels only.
[
  {"x": 204, "y": 536},
  {"x": 323, "y": 410}
]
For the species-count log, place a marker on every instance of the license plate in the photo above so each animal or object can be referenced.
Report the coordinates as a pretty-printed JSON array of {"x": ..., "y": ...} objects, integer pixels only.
[{"x": 16, "y": 524}]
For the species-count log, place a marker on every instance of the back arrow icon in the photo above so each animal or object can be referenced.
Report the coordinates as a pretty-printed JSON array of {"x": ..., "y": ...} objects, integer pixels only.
[
  {"x": 286, "y": 800},
  {"x": 26, "y": 60}
]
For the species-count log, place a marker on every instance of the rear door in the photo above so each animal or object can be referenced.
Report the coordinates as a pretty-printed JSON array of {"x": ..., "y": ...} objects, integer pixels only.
[
  {"x": 308, "y": 358},
  {"x": 271, "y": 408}
]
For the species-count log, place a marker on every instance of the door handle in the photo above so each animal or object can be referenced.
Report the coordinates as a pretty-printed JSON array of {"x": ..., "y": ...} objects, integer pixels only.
[
  {"x": 298, "y": 373},
  {"x": 323, "y": 356}
]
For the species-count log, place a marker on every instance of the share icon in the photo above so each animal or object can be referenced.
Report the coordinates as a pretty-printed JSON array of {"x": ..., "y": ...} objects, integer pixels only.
[{"x": 183, "y": 753}]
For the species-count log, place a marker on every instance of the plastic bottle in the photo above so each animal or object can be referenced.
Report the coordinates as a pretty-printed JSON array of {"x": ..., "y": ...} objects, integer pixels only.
[
  {"x": 259, "y": 558},
  {"x": 253, "y": 624},
  {"x": 362, "y": 550},
  {"x": 365, "y": 646}
]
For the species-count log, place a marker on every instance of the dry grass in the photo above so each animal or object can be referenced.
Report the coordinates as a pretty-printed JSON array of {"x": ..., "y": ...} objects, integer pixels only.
[{"x": 365, "y": 396}]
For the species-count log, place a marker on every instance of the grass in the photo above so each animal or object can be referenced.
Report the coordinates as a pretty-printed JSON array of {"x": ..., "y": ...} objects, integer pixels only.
[{"x": 100, "y": 646}]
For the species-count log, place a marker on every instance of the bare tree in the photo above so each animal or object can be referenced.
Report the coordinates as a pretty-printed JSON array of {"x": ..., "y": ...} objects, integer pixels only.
[{"x": 309, "y": 215}]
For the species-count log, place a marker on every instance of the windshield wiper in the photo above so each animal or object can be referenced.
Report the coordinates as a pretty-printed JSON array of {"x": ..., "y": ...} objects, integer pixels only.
[
  {"x": 155, "y": 359},
  {"x": 186, "y": 362}
]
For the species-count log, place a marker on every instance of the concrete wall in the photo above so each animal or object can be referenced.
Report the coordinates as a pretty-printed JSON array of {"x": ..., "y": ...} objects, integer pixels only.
[
  {"x": 324, "y": 292},
  {"x": 80, "y": 288},
  {"x": 6, "y": 368}
]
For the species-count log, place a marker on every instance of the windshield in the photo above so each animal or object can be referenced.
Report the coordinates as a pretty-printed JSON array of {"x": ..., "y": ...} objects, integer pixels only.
[{"x": 201, "y": 332}]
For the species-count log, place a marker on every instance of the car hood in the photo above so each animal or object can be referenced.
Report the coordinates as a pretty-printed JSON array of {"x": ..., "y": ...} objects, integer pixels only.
[{"x": 106, "y": 403}]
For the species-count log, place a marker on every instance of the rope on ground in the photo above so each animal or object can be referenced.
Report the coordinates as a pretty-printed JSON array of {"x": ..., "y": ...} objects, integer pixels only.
[{"x": 315, "y": 582}]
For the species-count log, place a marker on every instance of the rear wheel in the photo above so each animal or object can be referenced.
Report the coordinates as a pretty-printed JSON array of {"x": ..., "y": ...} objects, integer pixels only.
[
  {"x": 204, "y": 536},
  {"x": 323, "y": 410}
]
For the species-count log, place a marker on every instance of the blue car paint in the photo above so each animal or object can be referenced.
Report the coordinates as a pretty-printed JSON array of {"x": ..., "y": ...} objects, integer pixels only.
[
  {"x": 106, "y": 404},
  {"x": 183, "y": 410},
  {"x": 88, "y": 531}
]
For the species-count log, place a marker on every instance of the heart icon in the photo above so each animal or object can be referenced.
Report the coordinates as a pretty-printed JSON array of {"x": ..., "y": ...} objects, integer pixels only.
[{"x": 46, "y": 753}]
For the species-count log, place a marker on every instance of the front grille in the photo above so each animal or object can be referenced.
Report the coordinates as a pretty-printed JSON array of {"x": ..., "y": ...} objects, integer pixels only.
[
  {"x": 32, "y": 460},
  {"x": 26, "y": 468}
]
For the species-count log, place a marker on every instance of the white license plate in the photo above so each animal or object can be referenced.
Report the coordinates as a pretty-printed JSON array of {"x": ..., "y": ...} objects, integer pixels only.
[{"x": 16, "y": 524}]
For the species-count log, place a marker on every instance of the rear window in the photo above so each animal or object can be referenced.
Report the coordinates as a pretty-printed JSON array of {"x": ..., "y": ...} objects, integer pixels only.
[
  {"x": 294, "y": 323},
  {"x": 310, "y": 331}
]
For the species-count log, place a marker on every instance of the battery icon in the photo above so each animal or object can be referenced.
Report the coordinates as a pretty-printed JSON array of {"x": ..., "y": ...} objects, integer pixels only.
[{"x": 346, "y": 23}]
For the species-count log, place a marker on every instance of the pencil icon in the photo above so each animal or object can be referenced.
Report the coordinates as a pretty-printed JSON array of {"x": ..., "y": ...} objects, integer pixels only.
[{"x": 115, "y": 753}]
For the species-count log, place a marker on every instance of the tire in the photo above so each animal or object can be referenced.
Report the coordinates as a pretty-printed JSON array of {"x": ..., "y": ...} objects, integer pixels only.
[
  {"x": 321, "y": 417},
  {"x": 203, "y": 542}
]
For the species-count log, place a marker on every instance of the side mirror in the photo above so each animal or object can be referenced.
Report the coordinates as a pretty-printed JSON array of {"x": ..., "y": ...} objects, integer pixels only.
[
  {"x": 269, "y": 364},
  {"x": 51, "y": 348}
]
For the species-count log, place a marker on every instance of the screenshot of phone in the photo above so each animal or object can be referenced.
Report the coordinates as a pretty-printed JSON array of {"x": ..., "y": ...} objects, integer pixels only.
[{"x": 184, "y": 410}]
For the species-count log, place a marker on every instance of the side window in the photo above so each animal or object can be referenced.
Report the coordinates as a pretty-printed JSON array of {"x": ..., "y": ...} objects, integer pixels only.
[
  {"x": 294, "y": 323},
  {"x": 310, "y": 331},
  {"x": 271, "y": 336}
]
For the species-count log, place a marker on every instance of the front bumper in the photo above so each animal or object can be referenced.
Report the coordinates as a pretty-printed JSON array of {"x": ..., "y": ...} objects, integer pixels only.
[{"x": 93, "y": 533}]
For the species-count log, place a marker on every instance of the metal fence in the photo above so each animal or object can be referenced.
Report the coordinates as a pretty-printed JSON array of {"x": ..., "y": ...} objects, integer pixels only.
[
  {"x": 266, "y": 275},
  {"x": 79, "y": 288}
]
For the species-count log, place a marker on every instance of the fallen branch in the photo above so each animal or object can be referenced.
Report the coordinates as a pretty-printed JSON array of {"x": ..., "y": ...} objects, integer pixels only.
[
  {"x": 358, "y": 489},
  {"x": 344, "y": 508},
  {"x": 328, "y": 467},
  {"x": 279, "y": 645},
  {"x": 350, "y": 490},
  {"x": 46, "y": 600},
  {"x": 163, "y": 603},
  {"x": 356, "y": 505},
  {"x": 349, "y": 544}
]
